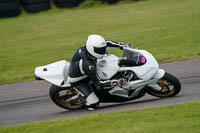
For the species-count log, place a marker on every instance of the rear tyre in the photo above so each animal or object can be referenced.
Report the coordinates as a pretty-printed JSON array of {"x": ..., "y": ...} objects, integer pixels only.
[
  {"x": 67, "y": 98},
  {"x": 170, "y": 85}
]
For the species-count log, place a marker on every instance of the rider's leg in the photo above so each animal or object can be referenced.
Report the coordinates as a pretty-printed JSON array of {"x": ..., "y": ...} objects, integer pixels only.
[{"x": 91, "y": 100}]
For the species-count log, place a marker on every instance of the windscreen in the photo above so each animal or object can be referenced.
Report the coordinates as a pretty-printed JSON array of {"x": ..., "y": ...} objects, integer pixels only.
[
  {"x": 129, "y": 52},
  {"x": 132, "y": 58}
]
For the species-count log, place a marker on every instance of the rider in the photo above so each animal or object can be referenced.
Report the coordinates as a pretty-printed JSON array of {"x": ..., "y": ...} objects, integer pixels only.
[{"x": 83, "y": 67}]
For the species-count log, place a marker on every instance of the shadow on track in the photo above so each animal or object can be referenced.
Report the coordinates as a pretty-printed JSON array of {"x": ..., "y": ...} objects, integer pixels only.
[{"x": 116, "y": 107}]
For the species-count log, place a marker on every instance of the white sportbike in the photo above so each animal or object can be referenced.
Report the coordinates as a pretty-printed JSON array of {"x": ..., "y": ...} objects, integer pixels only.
[{"x": 133, "y": 75}]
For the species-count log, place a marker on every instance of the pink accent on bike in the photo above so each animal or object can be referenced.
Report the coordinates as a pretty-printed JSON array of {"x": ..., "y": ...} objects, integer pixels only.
[{"x": 143, "y": 60}]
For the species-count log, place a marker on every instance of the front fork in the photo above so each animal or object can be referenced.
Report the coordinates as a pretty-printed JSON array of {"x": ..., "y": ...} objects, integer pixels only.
[{"x": 154, "y": 83}]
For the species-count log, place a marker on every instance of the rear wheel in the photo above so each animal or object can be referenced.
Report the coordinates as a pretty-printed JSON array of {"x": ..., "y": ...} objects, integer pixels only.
[
  {"x": 67, "y": 98},
  {"x": 170, "y": 85}
]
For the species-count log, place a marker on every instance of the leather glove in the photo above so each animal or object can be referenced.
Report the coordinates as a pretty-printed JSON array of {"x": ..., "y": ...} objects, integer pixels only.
[{"x": 122, "y": 45}]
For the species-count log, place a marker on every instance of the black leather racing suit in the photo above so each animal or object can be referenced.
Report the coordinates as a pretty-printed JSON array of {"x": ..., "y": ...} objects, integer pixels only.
[{"x": 82, "y": 69}]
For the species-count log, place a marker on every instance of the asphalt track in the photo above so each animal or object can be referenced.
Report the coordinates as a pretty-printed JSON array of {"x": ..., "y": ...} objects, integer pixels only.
[{"x": 29, "y": 102}]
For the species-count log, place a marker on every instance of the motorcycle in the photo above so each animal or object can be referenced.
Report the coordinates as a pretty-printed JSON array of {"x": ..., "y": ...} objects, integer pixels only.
[{"x": 133, "y": 75}]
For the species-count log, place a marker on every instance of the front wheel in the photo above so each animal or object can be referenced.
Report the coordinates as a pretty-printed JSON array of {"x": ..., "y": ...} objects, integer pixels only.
[
  {"x": 67, "y": 98},
  {"x": 170, "y": 85}
]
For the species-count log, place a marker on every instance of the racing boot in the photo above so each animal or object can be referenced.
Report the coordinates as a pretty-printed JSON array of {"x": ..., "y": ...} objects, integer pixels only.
[{"x": 92, "y": 102}]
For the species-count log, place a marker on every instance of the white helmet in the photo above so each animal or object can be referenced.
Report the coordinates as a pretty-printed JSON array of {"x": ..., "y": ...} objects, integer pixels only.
[{"x": 96, "y": 46}]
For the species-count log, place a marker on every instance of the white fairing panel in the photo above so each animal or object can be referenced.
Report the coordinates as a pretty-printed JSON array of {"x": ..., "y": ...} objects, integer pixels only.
[
  {"x": 107, "y": 67},
  {"x": 146, "y": 71},
  {"x": 149, "y": 69},
  {"x": 160, "y": 73},
  {"x": 55, "y": 73}
]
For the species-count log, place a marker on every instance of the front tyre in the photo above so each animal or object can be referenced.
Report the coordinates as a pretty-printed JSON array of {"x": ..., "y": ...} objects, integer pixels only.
[
  {"x": 67, "y": 98},
  {"x": 170, "y": 85}
]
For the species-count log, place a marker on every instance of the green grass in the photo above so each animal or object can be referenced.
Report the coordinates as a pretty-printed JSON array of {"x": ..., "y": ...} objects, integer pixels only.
[
  {"x": 173, "y": 119},
  {"x": 170, "y": 29}
]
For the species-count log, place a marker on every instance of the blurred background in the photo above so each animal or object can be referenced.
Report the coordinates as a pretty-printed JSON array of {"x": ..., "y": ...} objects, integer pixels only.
[
  {"x": 13, "y": 8},
  {"x": 39, "y": 32}
]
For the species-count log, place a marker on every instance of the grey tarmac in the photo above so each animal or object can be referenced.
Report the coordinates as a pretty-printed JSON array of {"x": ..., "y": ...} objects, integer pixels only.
[{"x": 29, "y": 102}]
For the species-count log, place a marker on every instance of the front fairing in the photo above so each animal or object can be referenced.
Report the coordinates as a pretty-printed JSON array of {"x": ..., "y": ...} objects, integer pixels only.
[
  {"x": 132, "y": 58},
  {"x": 107, "y": 67},
  {"x": 146, "y": 71}
]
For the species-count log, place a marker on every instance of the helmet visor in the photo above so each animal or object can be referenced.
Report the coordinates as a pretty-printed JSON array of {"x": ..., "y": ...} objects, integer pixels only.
[{"x": 101, "y": 50}]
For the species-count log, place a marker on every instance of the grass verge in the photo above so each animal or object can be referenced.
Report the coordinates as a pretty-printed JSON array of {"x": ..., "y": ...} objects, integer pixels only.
[
  {"x": 170, "y": 29},
  {"x": 173, "y": 119}
]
